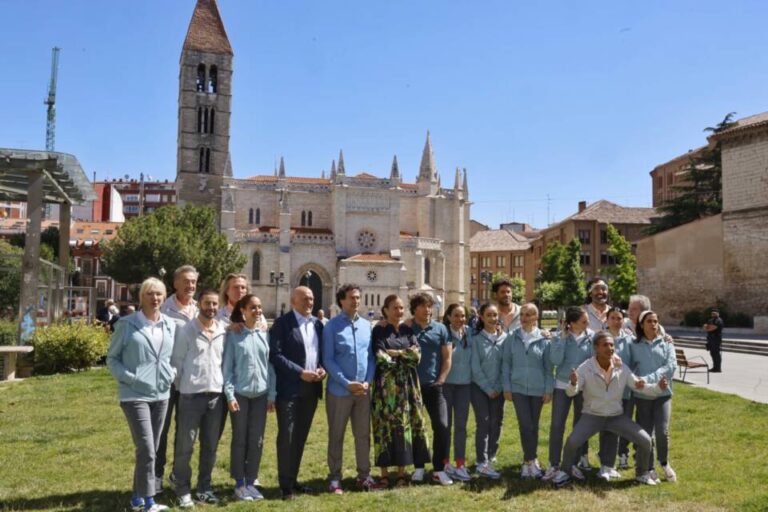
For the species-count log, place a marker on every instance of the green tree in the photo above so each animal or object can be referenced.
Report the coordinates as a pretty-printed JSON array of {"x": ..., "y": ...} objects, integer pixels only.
[
  {"x": 49, "y": 243},
  {"x": 552, "y": 262},
  {"x": 518, "y": 285},
  {"x": 572, "y": 277},
  {"x": 622, "y": 275},
  {"x": 700, "y": 193},
  {"x": 169, "y": 238},
  {"x": 10, "y": 275}
]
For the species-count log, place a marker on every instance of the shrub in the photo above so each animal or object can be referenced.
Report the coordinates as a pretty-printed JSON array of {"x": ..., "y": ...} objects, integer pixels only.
[
  {"x": 68, "y": 347},
  {"x": 693, "y": 318},
  {"x": 8, "y": 332},
  {"x": 739, "y": 320}
]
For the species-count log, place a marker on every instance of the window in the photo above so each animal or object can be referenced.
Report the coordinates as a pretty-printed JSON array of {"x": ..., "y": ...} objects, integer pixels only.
[
  {"x": 584, "y": 259},
  {"x": 303, "y": 218},
  {"x": 205, "y": 120},
  {"x": 518, "y": 261},
  {"x": 258, "y": 215},
  {"x": 250, "y": 216},
  {"x": 584, "y": 236},
  {"x": 256, "y": 266},
  {"x": 474, "y": 261},
  {"x": 603, "y": 236},
  {"x": 131, "y": 198},
  {"x": 473, "y": 279},
  {"x": 210, "y": 121},
  {"x": 200, "y": 82},
  {"x": 212, "y": 80},
  {"x": 199, "y": 119},
  {"x": 501, "y": 261},
  {"x": 517, "y": 274},
  {"x": 205, "y": 160},
  {"x": 80, "y": 231},
  {"x": 607, "y": 259},
  {"x": 309, "y": 218},
  {"x": 95, "y": 231},
  {"x": 108, "y": 232},
  {"x": 131, "y": 208},
  {"x": 427, "y": 270}
]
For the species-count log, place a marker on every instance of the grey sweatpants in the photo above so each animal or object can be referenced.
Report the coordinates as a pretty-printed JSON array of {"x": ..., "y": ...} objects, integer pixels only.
[
  {"x": 457, "y": 396},
  {"x": 489, "y": 415},
  {"x": 247, "y": 437},
  {"x": 561, "y": 405},
  {"x": 528, "y": 410},
  {"x": 196, "y": 414},
  {"x": 340, "y": 410},
  {"x": 589, "y": 425},
  {"x": 610, "y": 441},
  {"x": 145, "y": 419},
  {"x": 653, "y": 416}
]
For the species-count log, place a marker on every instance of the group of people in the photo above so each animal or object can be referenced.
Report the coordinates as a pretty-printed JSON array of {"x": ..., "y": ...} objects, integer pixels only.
[{"x": 214, "y": 357}]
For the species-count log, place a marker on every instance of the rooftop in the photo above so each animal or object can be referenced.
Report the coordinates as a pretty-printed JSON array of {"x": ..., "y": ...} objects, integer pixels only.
[
  {"x": 206, "y": 32},
  {"x": 611, "y": 213},
  {"x": 497, "y": 240}
]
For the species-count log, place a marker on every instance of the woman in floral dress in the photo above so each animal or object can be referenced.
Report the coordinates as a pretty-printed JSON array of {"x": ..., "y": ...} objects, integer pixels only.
[{"x": 399, "y": 436}]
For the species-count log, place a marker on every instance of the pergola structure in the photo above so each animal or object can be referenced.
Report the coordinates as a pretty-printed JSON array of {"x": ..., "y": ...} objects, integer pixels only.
[{"x": 39, "y": 177}]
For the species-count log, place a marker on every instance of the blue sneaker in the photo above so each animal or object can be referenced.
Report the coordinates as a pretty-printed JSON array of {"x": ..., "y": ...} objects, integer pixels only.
[{"x": 137, "y": 504}]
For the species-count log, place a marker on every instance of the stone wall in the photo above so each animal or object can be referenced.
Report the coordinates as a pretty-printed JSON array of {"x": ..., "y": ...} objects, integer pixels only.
[
  {"x": 745, "y": 172},
  {"x": 682, "y": 268}
]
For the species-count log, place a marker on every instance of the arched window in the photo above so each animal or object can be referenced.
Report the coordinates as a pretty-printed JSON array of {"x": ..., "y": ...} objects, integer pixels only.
[
  {"x": 256, "y": 266},
  {"x": 427, "y": 269},
  {"x": 200, "y": 82},
  {"x": 309, "y": 218},
  {"x": 199, "y": 119},
  {"x": 210, "y": 120},
  {"x": 212, "y": 80},
  {"x": 201, "y": 164},
  {"x": 250, "y": 216},
  {"x": 303, "y": 218},
  {"x": 205, "y": 120},
  {"x": 258, "y": 215},
  {"x": 207, "y": 159}
]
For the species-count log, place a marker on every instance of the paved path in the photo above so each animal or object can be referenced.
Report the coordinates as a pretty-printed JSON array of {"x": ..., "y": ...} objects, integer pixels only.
[
  {"x": 727, "y": 336},
  {"x": 745, "y": 375}
]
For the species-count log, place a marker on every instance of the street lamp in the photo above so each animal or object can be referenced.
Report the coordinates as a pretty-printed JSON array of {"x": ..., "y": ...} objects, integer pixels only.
[{"x": 276, "y": 278}]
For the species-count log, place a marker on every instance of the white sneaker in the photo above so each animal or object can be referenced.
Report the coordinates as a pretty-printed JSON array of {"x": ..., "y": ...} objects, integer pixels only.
[
  {"x": 254, "y": 492},
  {"x": 486, "y": 470},
  {"x": 550, "y": 473},
  {"x": 576, "y": 473},
  {"x": 449, "y": 470},
  {"x": 256, "y": 483},
  {"x": 560, "y": 478},
  {"x": 185, "y": 501},
  {"x": 624, "y": 461},
  {"x": 157, "y": 508},
  {"x": 535, "y": 468},
  {"x": 669, "y": 473},
  {"x": 525, "y": 471},
  {"x": 418, "y": 475},
  {"x": 441, "y": 478},
  {"x": 242, "y": 494},
  {"x": 646, "y": 479},
  {"x": 615, "y": 475},
  {"x": 207, "y": 497},
  {"x": 584, "y": 463},
  {"x": 652, "y": 474},
  {"x": 604, "y": 474}
]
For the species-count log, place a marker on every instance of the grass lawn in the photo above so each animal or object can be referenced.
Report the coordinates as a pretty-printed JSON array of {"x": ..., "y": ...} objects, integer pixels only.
[{"x": 65, "y": 445}]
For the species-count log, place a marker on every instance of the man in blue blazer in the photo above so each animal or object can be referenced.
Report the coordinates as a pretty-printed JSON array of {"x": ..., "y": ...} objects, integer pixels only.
[{"x": 295, "y": 341}]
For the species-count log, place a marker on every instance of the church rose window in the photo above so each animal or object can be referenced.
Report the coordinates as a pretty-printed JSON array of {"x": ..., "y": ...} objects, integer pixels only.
[{"x": 366, "y": 240}]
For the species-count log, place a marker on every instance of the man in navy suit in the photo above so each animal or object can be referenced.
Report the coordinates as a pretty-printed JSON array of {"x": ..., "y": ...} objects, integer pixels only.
[{"x": 296, "y": 356}]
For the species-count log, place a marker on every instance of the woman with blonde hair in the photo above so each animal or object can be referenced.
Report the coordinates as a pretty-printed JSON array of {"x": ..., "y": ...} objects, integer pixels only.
[{"x": 139, "y": 358}]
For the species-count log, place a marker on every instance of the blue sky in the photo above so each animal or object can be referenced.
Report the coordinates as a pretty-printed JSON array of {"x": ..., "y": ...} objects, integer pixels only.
[{"x": 575, "y": 100}]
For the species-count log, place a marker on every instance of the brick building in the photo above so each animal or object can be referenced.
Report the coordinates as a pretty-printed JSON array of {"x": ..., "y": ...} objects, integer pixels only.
[
  {"x": 589, "y": 225},
  {"x": 666, "y": 176},
  {"x": 499, "y": 250}
]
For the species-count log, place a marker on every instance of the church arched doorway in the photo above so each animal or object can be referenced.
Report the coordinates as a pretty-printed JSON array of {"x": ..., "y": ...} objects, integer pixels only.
[{"x": 313, "y": 281}]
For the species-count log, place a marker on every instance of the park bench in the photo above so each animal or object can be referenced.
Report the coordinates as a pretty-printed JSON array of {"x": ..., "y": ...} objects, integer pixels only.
[
  {"x": 9, "y": 354},
  {"x": 684, "y": 364}
]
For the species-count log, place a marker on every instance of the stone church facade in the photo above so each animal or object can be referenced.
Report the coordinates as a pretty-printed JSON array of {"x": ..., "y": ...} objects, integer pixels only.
[{"x": 387, "y": 235}]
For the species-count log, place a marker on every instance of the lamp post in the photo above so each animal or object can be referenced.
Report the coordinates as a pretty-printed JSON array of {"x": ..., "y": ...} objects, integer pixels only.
[{"x": 276, "y": 278}]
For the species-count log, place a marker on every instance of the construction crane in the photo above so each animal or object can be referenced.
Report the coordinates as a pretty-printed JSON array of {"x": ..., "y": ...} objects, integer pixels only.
[{"x": 50, "y": 127}]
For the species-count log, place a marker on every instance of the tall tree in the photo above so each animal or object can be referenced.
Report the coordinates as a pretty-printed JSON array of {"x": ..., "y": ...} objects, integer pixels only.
[
  {"x": 572, "y": 276},
  {"x": 169, "y": 238},
  {"x": 700, "y": 193},
  {"x": 623, "y": 273}
]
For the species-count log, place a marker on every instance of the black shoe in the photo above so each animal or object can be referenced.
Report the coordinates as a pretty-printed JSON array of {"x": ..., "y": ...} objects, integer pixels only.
[
  {"x": 288, "y": 495},
  {"x": 715, "y": 370},
  {"x": 302, "y": 489}
]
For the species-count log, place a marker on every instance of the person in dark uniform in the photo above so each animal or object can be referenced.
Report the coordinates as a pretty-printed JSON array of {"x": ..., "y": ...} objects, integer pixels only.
[
  {"x": 714, "y": 328},
  {"x": 296, "y": 356}
]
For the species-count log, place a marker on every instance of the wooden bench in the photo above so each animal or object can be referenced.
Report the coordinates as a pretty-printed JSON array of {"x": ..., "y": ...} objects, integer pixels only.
[
  {"x": 684, "y": 364},
  {"x": 9, "y": 353}
]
